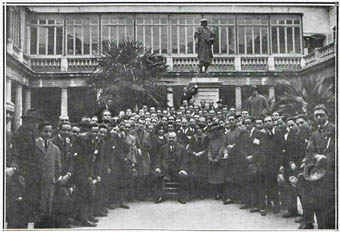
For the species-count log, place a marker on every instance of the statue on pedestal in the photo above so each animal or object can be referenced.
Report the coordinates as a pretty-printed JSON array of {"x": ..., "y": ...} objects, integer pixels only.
[{"x": 204, "y": 39}]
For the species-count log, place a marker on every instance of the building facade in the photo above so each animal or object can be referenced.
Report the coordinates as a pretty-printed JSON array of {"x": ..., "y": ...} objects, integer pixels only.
[{"x": 52, "y": 50}]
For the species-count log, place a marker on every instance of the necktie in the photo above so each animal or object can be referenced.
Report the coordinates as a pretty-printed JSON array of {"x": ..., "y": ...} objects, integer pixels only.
[{"x": 46, "y": 145}]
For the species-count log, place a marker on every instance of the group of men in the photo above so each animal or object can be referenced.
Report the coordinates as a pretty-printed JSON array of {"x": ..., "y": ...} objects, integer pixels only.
[{"x": 74, "y": 173}]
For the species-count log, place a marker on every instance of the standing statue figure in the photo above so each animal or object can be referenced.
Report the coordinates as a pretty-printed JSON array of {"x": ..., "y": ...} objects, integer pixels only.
[{"x": 204, "y": 38}]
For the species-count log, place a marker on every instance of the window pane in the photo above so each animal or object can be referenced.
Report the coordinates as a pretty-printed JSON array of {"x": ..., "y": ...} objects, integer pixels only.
[
  {"x": 174, "y": 39},
  {"x": 94, "y": 36},
  {"x": 78, "y": 38},
  {"x": 33, "y": 42},
  {"x": 216, "y": 45},
  {"x": 140, "y": 34},
  {"x": 290, "y": 40},
  {"x": 164, "y": 39},
  {"x": 264, "y": 34},
  {"x": 121, "y": 33},
  {"x": 282, "y": 40},
  {"x": 70, "y": 40},
  {"x": 105, "y": 33},
  {"x": 190, "y": 43},
  {"x": 182, "y": 39},
  {"x": 148, "y": 37},
  {"x": 297, "y": 40},
  {"x": 86, "y": 40},
  {"x": 156, "y": 39},
  {"x": 241, "y": 49},
  {"x": 59, "y": 40},
  {"x": 42, "y": 40},
  {"x": 257, "y": 40},
  {"x": 224, "y": 40},
  {"x": 231, "y": 40},
  {"x": 249, "y": 41},
  {"x": 129, "y": 33},
  {"x": 50, "y": 41},
  {"x": 274, "y": 40}
]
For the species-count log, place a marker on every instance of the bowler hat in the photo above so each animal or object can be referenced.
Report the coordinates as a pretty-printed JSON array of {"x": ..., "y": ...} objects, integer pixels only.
[
  {"x": 254, "y": 87},
  {"x": 33, "y": 114},
  {"x": 204, "y": 20},
  {"x": 313, "y": 173}
]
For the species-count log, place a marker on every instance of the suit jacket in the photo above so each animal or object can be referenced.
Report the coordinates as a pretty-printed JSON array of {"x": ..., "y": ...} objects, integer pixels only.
[
  {"x": 65, "y": 154},
  {"x": 50, "y": 170},
  {"x": 255, "y": 145},
  {"x": 143, "y": 142},
  {"x": 289, "y": 149},
  {"x": 273, "y": 150},
  {"x": 184, "y": 135},
  {"x": 198, "y": 145},
  {"x": 175, "y": 160}
]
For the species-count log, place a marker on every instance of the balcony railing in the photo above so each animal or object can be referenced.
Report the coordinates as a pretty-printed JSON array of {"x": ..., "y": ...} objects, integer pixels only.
[
  {"x": 189, "y": 62},
  {"x": 320, "y": 55}
]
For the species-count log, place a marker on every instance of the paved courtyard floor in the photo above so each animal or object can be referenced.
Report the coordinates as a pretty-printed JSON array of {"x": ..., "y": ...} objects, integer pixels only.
[{"x": 195, "y": 215}]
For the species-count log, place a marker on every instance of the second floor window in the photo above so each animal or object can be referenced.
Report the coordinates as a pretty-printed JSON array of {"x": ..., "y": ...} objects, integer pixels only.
[
  {"x": 82, "y": 36},
  {"x": 46, "y": 37},
  {"x": 117, "y": 27},
  {"x": 286, "y": 34},
  {"x": 13, "y": 17},
  {"x": 253, "y": 34}
]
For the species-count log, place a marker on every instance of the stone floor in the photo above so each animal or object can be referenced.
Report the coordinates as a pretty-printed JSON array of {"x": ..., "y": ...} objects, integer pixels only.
[{"x": 195, "y": 215}]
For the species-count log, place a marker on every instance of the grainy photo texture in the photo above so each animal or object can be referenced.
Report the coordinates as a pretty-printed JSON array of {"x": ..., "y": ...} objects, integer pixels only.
[{"x": 176, "y": 116}]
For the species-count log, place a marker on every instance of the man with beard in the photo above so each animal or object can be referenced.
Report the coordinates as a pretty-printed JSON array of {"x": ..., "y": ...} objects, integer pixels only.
[{"x": 172, "y": 165}]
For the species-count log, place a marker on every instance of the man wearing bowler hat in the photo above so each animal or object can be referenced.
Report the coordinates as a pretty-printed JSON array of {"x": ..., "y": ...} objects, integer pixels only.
[
  {"x": 24, "y": 150},
  {"x": 204, "y": 39},
  {"x": 322, "y": 194}
]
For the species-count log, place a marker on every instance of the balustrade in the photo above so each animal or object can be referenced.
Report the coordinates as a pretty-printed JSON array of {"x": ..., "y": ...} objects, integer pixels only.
[
  {"x": 287, "y": 63},
  {"x": 81, "y": 64},
  {"x": 45, "y": 64},
  {"x": 254, "y": 63}
]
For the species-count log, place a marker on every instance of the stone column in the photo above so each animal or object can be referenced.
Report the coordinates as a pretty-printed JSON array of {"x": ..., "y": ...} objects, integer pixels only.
[
  {"x": 170, "y": 96},
  {"x": 27, "y": 104},
  {"x": 272, "y": 93},
  {"x": 238, "y": 98},
  {"x": 18, "y": 107},
  {"x": 64, "y": 105}
]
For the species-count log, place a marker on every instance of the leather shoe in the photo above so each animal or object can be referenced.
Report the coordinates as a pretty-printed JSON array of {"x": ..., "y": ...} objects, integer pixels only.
[
  {"x": 93, "y": 219},
  {"x": 124, "y": 206},
  {"x": 104, "y": 210},
  {"x": 227, "y": 201},
  {"x": 100, "y": 214},
  {"x": 111, "y": 206},
  {"x": 217, "y": 197},
  {"x": 304, "y": 226},
  {"x": 88, "y": 224},
  {"x": 263, "y": 212},
  {"x": 299, "y": 220},
  {"x": 182, "y": 201},
  {"x": 159, "y": 200},
  {"x": 289, "y": 215},
  {"x": 276, "y": 210},
  {"x": 245, "y": 206},
  {"x": 254, "y": 210}
]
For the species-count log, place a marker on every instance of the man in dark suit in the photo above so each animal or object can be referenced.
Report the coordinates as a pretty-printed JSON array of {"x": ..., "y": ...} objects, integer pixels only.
[
  {"x": 290, "y": 158},
  {"x": 24, "y": 150},
  {"x": 199, "y": 161},
  {"x": 273, "y": 145},
  {"x": 321, "y": 148},
  {"x": 256, "y": 158},
  {"x": 189, "y": 93},
  {"x": 63, "y": 201},
  {"x": 172, "y": 164}
]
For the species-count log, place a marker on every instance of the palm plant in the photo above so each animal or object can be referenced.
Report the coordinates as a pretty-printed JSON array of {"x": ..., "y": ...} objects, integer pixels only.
[
  {"x": 304, "y": 94},
  {"x": 129, "y": 74}
]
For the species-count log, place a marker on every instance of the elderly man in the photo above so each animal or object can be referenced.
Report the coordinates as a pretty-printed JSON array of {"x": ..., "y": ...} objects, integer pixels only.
[{"x": 172, "y": 164}]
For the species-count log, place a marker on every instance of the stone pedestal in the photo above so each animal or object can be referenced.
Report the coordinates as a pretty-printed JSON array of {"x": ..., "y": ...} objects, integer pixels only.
[{"x": 208, "y": 88}]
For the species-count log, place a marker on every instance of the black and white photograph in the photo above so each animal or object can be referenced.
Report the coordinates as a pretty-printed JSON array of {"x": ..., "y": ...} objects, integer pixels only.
[{"x": 169, "y": 116}]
